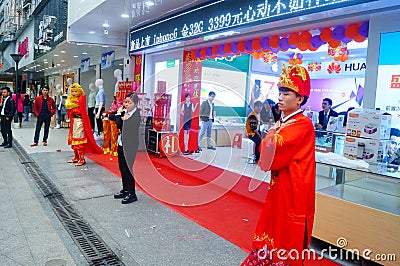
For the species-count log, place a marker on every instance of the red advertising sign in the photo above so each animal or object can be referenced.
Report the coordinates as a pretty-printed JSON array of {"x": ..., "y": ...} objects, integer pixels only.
[
  {"x": 395, "y": 82},
  {"x": 138, "y": 70},
  {"x": 191, "y": 84},
  {"x": 23, "y": 48},
  {"x": 169, "y": 144}
]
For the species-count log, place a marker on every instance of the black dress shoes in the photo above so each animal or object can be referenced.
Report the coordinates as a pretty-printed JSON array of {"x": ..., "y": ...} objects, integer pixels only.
[
  {"x": 120, "y": 195},
  {"x": 7, "y": 146},
  {"x": 129, "y": 199},
  {"x": 211, "y": 148},
  {"x": 3, "y": 144}
]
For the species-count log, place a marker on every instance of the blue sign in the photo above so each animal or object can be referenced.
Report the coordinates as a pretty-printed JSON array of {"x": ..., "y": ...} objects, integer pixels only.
[
  {"x": 226, "y": 15},
  {"x": 85, "y": 64},
  {"x": 107, "y": 60}
]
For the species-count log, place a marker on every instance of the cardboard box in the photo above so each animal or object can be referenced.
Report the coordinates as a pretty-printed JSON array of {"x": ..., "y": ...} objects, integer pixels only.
[
  {"x": 369, "y": 123},
  {"x": 369, "y": 150}
]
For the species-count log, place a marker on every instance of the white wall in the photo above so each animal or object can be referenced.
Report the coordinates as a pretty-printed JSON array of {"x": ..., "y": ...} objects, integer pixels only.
[
  {"x": 78, "y": 8},
  {"x": 378, "y": 24}
]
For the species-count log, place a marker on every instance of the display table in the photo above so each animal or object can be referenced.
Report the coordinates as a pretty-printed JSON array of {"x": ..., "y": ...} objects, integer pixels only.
[
  {"x": 360, "y": 206},
  {"x": 222, "y": 135}
]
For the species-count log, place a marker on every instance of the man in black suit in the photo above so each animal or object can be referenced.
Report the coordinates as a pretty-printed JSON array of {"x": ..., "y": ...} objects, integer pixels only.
[
  {"x": 7, "y": 114},
  {"x": 207, "y": 115},
  {"x": 325, "y": 114},
  {"x": 127, "y": 119}
]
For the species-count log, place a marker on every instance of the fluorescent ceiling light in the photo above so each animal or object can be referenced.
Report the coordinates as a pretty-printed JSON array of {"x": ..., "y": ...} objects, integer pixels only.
[
  {"x": 55, "y": 54},
  {"x": 63, "y": 52},
  {"x": 84, "y": 53},
  {"x": 105, "y": 46},
  {"x": 92, "y": 32},
  {"x": 149, "y": 3},
  {"x": 105, "y": 24},
  {"x": 124, "y": 15},
  {"x": 75, "y": 56}
]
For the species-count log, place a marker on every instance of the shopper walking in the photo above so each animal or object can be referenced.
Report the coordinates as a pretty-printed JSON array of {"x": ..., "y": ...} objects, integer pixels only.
[
  {"x": 26, "y": 103},
  {"x": 20, "y": 107},
  {"x": 44, "y": 108},
  {"x": 288, "y": 150}
]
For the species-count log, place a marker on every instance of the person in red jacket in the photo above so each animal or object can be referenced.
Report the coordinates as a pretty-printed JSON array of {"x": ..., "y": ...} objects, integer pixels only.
[
  {"x": 44, "y": 108},
  {"x": 285, "y": 224}
]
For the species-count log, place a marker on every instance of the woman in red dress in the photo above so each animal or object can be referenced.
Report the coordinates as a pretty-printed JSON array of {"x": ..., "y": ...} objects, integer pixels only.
[
  {"x": 80, "y": 135},
  {"x": 283, "y": 232}
]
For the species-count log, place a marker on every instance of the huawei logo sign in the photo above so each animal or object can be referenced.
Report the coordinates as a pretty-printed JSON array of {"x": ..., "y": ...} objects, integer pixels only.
[{"x": 334, "y": 68}]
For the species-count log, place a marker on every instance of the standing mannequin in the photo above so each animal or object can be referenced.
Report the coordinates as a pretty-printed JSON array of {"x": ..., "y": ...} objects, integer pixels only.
[
  {"x": 69, "y": 82},
  {"x": 118, "y": 76},
  {"x": 58, "y": 99},
  {"x": 92, "y": 104},
  {"x": 99, "y": 105}
]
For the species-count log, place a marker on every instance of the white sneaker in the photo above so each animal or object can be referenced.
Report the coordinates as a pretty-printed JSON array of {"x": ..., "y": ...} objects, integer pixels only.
[
  {"x": 57, "y": 126},
  {"x": 67, "y": 121}
]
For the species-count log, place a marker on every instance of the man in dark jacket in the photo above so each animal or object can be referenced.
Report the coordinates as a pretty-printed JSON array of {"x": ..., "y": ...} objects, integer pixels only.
[
  {"x": 127, "y": 119},
  {"x": 44, "y": 108},
  {"x": 7, "y": 114},
  {"x": 325, "y": 114},
  {"x": 207, "y": 114}
]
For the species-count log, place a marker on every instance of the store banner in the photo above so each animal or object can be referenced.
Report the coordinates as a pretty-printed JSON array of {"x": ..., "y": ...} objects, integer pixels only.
[
  {"x": 85, "y": 65},
  {"x": 336, "y": 69},
  {"x": 191, "y": 84},
  {"x": 220, "y": 16},
  {"x": 388, "y": 83},
  {"x": 138, "y": 70},
  {"x": 107, "y": 60},
  {"x": 344, "y": 93}
]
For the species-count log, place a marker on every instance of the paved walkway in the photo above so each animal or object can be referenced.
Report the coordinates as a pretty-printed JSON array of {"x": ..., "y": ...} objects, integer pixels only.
[{"x": 141, "y": 233}]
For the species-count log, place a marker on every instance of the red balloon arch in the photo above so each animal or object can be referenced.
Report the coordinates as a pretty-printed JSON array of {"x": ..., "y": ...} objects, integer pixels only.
[{"x": 304, "y": 40}]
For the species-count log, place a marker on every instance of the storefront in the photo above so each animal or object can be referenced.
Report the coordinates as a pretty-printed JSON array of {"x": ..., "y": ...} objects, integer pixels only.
[{"x": 196, "y": 52}]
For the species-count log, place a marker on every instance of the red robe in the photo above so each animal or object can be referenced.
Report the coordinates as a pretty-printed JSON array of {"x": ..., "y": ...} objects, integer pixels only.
[
  {"x": 90, "y": 145},
  {"x": 287, "y": 216}
]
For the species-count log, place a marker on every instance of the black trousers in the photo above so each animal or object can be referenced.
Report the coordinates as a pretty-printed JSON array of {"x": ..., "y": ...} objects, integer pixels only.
[
  {"x": 99, "y": 122},
  {"x": 6, "y": 131},
  {"x": 91, "y": 117},
  {"x": 128, "y": 181},
  {"x": 40, "y": 120},
  {"x": 257, "y": 140}
]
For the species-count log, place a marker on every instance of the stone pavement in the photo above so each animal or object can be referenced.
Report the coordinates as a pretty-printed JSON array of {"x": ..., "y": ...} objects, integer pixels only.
[{"x": 142, "y": 233}]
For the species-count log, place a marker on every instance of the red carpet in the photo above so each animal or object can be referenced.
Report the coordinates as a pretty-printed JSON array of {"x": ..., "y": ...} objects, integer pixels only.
[{"x": 214, "y": 198}]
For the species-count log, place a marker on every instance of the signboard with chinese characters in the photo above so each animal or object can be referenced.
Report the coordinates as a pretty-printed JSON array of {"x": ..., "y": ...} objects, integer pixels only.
[
  {"x": 50, "y": 25},
  {"x": 226, "y": 15}
]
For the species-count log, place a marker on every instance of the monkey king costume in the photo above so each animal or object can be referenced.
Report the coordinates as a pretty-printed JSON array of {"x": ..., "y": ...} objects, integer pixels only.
[{"x": 80, "y": 135}]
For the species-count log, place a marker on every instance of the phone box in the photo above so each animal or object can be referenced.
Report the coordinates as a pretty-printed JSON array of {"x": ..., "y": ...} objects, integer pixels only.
[
  {"x": 369, "y": 150},
  {"x": 369, "y": 123}
]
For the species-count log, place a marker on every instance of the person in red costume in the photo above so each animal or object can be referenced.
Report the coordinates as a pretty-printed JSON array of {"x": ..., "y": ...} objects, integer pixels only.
[
  {"x": 80, "y": 135},
  {"x": 288, "y": 150}
]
